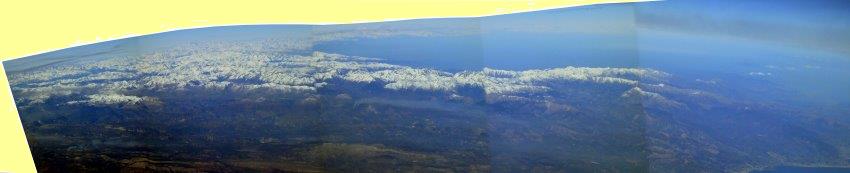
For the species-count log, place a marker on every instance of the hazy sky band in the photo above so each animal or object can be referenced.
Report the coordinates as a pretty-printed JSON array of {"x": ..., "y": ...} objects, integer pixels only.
[{"x": 820, "y": 24}]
